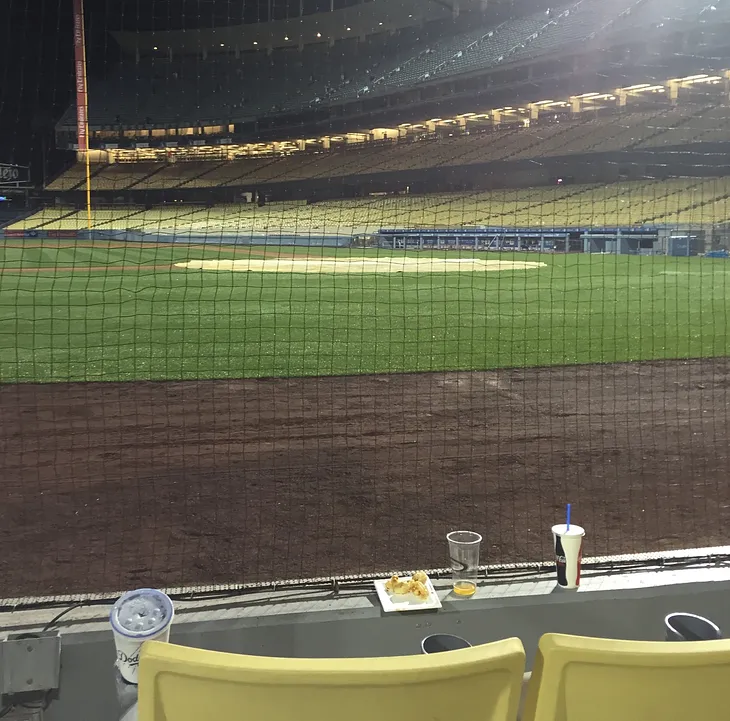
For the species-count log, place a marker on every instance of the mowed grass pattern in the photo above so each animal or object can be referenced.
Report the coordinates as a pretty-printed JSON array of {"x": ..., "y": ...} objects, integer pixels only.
[{"x": 134, "y": 316}]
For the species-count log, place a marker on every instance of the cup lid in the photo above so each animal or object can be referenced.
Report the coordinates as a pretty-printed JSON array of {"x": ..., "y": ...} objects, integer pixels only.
[
  {"x": 561, "y": 529},
  {"x": 142, "y": 612}
]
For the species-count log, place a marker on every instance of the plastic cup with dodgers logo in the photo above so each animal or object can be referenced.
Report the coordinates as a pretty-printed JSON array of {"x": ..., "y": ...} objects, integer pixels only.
[
  {"x": 568, "y": 545},
  {"x": 138, "y": 616}
]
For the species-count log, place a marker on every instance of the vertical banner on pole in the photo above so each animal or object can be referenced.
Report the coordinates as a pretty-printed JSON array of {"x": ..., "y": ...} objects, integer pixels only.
[{"x": 80, "y": 65}]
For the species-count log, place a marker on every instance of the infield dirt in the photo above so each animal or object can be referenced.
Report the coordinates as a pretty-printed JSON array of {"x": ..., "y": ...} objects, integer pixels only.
[{"x": 115, "y": 485}]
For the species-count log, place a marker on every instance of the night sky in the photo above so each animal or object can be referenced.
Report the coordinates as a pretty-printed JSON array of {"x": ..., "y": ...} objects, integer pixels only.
[
  {"x": 36, "y": 76},
  {"x": 36, "y": 58}
]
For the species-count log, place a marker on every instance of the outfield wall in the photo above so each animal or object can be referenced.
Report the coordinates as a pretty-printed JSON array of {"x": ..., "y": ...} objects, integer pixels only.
[
  {"x": 618, "y": 241},
  {"x": 219, "y": 238}
]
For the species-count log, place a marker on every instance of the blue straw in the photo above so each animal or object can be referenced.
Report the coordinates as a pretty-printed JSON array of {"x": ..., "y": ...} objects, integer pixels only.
[{"x": 567, "y": 518}]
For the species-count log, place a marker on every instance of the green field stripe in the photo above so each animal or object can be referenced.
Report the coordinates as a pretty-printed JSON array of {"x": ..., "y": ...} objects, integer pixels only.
[{"x": 148, "y": 324}]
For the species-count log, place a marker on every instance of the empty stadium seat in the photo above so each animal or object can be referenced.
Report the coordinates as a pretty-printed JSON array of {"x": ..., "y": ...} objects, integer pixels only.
[
  {"x": 186, "y": 684},
  {"x": 559, "y": 135},
  {"x": 681, "y": 201},
  {"x": 597, "y": 679}
]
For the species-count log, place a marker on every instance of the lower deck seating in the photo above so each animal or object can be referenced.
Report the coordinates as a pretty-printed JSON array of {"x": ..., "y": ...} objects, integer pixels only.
[{"x": 685, "y": 201}]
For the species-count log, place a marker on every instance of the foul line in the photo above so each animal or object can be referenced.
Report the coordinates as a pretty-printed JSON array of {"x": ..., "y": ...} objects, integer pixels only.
[
  {"x": 86, "y": 268},
  {"x": 139, "y": 244}
]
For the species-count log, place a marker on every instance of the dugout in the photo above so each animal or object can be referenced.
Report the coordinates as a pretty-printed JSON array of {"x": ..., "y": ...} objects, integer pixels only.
[
  {"x": 477, "y": 238},
  {"x": 621, "y": 241},
  {"x": 685, "y": 243}
]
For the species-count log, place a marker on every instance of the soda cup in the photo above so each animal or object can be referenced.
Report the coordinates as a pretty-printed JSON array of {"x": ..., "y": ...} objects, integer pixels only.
[
  {"x": 568, "y": 544},
  {"x": 136, "y": 617}
]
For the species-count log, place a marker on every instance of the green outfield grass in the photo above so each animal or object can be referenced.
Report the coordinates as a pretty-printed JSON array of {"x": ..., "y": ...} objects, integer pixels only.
[{"x": 133, "y": 317}]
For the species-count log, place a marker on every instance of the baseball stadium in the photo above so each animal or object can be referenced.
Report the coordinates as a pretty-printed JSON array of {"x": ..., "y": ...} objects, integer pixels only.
[{"x": 308, "y": 285}]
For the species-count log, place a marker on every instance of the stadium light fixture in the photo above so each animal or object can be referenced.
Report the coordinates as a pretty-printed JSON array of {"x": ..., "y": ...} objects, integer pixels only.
[
  {"x": 255, "y": 42},
  {"x": 689, "y": 78},
  {"x": 711, "y": 79},
  {"x": 319, "y": 35}
]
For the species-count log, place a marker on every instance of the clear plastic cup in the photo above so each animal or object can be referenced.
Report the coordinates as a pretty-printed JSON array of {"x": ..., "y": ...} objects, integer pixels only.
[
  {"x": 464, "y": 555},
  {"x": 138, "y": 616}
]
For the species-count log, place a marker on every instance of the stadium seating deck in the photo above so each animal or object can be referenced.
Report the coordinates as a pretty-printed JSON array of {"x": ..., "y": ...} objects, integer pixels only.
[
  {"x": 694, "y": 201},
  {"x": 186, "y": 90},
  {"x": 562, "y": 135}
]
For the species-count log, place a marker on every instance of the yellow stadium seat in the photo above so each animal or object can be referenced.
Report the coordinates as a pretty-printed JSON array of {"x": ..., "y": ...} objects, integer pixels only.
[
  {"x": 178, "y": 683},
  {"x": 595, "y": 679}
]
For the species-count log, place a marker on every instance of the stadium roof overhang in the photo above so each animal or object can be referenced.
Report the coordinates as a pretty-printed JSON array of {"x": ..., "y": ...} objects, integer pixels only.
[
  {"x": 226, "y": 147},
  {"x": 356, "y": 21}
]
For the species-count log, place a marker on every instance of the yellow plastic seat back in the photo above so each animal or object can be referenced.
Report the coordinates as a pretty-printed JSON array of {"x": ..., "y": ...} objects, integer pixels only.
[
  {"x": 595, "y": 679},
  {"x": 482, "y": 683}
]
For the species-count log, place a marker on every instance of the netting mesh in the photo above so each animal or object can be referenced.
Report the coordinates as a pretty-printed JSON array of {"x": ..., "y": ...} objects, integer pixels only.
[{"x": 354, "y": 275}]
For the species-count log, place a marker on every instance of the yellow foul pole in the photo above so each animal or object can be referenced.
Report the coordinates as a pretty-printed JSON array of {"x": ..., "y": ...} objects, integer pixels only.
[{"x": 82, "y": 99}]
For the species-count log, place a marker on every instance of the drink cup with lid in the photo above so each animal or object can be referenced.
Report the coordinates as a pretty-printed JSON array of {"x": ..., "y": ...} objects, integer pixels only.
[
  {"x": 568, "y": 545},
  {"x": 138, "y": 616}
]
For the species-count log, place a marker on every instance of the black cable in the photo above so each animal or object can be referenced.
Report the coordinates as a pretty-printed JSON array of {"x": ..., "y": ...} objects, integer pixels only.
[
  {"x": 502, "y": 575},
  {"x": 60, "y": 615}
]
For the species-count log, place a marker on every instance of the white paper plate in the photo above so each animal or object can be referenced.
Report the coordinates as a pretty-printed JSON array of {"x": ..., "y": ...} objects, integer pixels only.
[{"x": 408, "y": 602}]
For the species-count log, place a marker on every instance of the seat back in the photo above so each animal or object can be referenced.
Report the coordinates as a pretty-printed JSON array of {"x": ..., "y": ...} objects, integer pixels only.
[
  {"x": 597, "y": 679},
  {"x": 178, "y": 683}
]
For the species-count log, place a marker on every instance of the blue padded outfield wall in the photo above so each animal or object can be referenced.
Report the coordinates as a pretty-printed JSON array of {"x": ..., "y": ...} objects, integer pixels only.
[
  {"x": 652, "y": 240},
  {"x": 219, "y": 238}
]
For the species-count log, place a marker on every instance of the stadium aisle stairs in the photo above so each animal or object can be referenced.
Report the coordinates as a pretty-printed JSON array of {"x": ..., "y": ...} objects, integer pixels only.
[
  {"x": 236, "y": 171},
  {"x": 705, "y": 124},
  {"x": 122, "y": 176},
  {"x": 279, "y": 168},
  {"x": 205, "y": 171},
  {"x": 145, "y": 180},
  {"x": 561, "y": 143},
  {"x": 538, "y": 141},
  {"x": 698, "y": 202},
  {"x": 74, "y": 178},
  {"x": 42, "y": 219}
]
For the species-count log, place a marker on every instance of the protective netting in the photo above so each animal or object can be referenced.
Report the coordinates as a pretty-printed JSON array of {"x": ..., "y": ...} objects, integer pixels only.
[{"x": 356, "y": 274}]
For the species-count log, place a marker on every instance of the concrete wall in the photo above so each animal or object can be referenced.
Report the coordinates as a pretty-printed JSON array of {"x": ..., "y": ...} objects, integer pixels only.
[{"x": 310, "y": 623}]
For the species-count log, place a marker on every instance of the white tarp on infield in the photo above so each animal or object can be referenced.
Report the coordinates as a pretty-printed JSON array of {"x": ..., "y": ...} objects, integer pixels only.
[{"x": 360, "y": 265}]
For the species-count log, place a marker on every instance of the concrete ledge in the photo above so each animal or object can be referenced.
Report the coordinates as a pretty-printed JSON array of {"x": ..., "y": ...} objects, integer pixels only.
[{"x": 319, "y": 622}]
